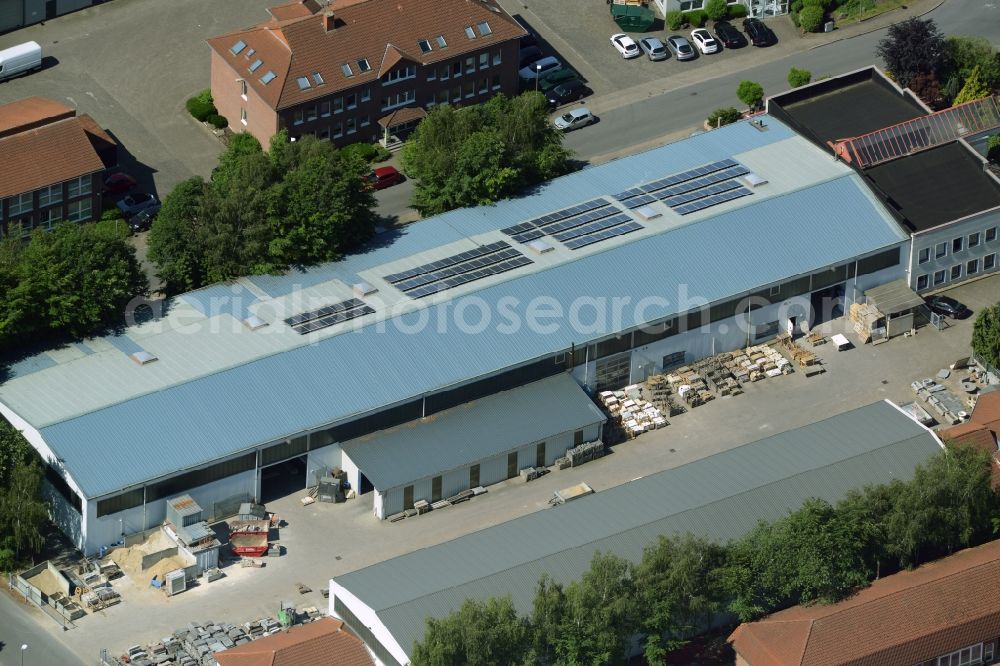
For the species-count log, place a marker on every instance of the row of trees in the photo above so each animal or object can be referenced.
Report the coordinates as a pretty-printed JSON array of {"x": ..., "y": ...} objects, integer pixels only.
[
  {"x": 23, "y": 511},
  {"x": 73, "y": 281},
  {"x": 480, "y": 154},
  {"x": 301, "y": 203},
  {"x": 942, "y": 71},
  {"x": 818, "y": 553}
]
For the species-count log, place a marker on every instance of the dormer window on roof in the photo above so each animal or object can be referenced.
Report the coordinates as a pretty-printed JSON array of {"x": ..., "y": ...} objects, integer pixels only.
[
  {"x": 318, "y": 78},
  {"x": 346, "y": 69},
  {"x": 425, "y": 46},
  {"x": 363, "y": 65},
  {"x": 237, "y": 47},
  {"x": 268, "y": 77},
  {"x": 441, "y": 41},
  {"x": 303, "y": 82},
  {"x": 484, "y": 28},
  {"x": 255, "y": 65},
  {"x": 469, "y": 32}
]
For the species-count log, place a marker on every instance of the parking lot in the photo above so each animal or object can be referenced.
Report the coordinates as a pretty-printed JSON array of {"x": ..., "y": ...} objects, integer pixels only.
[{"x": 325, "y": 540}]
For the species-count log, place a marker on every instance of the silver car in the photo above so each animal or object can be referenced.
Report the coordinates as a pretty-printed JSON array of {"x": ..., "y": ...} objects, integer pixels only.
[
  {"x": 653, "y": 48},
  {"x": 681, "y": 47}
]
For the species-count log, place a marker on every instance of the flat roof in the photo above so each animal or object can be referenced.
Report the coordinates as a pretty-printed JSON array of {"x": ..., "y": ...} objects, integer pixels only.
[
  {"x": 474, "y": 431},
  {"x": 935, "y": 186},
  {"x": 228, "y": 389},
  {"x": 719, "y": 497},
  {"x": 893, "y": 297}
]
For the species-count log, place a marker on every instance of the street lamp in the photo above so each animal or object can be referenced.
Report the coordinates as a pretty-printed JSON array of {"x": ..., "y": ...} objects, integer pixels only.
[
  {"x": 24, "y": 646},
  {"x": 538, "y": 73}
]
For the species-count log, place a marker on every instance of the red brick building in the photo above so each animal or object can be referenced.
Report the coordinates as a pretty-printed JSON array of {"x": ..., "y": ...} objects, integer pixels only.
[
  {"x": 52, "y": 165},
  {"x": 349, "y": 70},
  {"x": 324, "y": 642},
  {"x": 944, "y": 613}
]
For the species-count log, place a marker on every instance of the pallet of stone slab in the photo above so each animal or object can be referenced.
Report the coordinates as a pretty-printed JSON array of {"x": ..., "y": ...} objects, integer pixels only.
[{"x": 815, "y": 339}]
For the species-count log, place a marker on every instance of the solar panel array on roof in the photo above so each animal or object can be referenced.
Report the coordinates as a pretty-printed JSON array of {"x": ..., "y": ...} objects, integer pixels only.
[
  {"x": 458, "y": 269},
  {"x": 538, "y": 227},
  {"x": 682, "y": 183},
  {"x": 578, "y": 226},
  {"x": 338, "y": 313}
]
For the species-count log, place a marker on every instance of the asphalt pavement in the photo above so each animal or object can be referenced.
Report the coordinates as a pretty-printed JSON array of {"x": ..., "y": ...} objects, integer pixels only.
[{"x": 23, "y": 624}]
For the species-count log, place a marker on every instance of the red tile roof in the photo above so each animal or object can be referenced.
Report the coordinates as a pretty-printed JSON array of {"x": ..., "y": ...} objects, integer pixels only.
[
  {"x": 299, "y": 40},
  {"x": 57, "y": 148},
  {"x": 900, "y": 620},
  {"x": 321, "y": 643},
  {"x": 981, "y": 431}
]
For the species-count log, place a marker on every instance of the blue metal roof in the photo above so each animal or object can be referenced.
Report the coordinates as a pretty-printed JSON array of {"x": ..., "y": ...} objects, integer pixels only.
[{"x": 307, "y": 387}]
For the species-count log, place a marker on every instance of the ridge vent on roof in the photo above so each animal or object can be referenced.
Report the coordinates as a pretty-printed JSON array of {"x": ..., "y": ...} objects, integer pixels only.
[
  {"x": 253, "y": 322},
  {"x": 363, "y": 289},
  {"x": 753, "y": 180},
  {"x": 143, "y": 357},
  {"x": 540, "y": 246}
]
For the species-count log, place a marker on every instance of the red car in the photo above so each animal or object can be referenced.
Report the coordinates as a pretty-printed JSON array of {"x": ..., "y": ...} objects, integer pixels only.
[
  {"x": 384, "y": 177},
  {"x": 117, "y": 183}
]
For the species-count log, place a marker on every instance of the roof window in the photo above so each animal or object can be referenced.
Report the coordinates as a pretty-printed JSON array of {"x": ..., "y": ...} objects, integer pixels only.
[
  {"x": 255, "y": 65},
  {"x": 249, "y": 53},
  {"x": 237, "y": 47},
  {"x": 363, "y": 65},
  {"x": 441, "y": 41},
  {"x": 484, "y": 28},
  {"x": 424, "y": 45},
  {"x": 318, "y": 78},
  {"x": 303, "y": 82},
  {"x": 469, "y": 32},
  {"x": 267, "y": 78},
  {"x": 346, "y": 69}
]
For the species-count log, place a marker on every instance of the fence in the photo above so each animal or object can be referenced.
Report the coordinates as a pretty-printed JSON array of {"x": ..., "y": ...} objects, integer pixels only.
[
  {"x": 62, "y": 615},
  {"x": 228, "y": 507}
]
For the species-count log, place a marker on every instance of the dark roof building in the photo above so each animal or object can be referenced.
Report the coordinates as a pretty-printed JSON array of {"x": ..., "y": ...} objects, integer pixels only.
[
  {"x": 944, "y": 612},
  {"x": 336, "y": 70}
]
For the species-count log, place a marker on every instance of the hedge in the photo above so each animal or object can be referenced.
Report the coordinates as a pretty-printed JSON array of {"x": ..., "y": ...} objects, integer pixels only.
[
  {"x": 200, "y": 106},
  {"x": 737, "y": 11},
  {"x": 217, "y": 121},
  {"x": 721, "y": 117},
  {"x": 716, "y": 9},
  {"x": 811, "y": 18},
  {"x": 674, "y": 20},
  {"x": 696, "y": 17}
]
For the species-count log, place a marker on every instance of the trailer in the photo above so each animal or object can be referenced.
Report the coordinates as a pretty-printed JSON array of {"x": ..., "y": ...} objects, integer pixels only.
[{"x": 569, "y": 494}]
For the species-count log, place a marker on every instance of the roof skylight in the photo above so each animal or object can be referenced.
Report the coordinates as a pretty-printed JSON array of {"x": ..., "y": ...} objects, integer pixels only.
[
  {"x": 441, "y": 41},
  {"x": 484, "y": 28},
  {"x": 363, "y": 65},
  {"x": 469, "y": 32},
  {"x": 425, "y": 46},
  {"x": 318, "y": 78},
  {"x": 303, "y": 82},
  {"x": 249, "y": 53},
  {"x": 346, "y": 69},
  {"x": 237, "y": 47},
  {"x": 268, "y": 77},
  {"x": 255, "y": 65}
]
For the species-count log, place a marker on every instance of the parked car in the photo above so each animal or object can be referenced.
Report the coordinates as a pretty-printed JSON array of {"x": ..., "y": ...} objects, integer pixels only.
[
  {"x": 20, "y": 59},
  {"x": 143, "y": 220},
  {"x": 118, "y": 183},
  {"x": 133, "y": 203},
  {"x": 625, "y": 45},
  {"x": 528, "y": 55},
  {"x": 539, "y": 68},
  {"x": 704, "y": 41},
  {"x": 758, "y": 33},
  {"x": 730, "y": 37},
  {"x": 947, "y": 306},
  {"x": 653, "y": 48},
  {"x": 680, "y": 47},
  {"x": 384, "y": 177},
  {"x": 566, "y": 92},
  {"x": 552, "y": 79},
  {"x": 574, "y": 119}
]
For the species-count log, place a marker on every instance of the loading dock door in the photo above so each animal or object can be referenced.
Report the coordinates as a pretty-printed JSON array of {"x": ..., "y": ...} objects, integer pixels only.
[{"x": 11, "y": 15}]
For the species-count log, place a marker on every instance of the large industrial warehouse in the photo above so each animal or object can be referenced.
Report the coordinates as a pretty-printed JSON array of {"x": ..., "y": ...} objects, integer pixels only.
[
  {"x": 719, "y": 497},
  {"x": 250, "y": 390}
]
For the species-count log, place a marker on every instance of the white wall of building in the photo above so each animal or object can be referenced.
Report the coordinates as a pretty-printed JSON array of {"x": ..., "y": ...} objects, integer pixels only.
[
  {"x": 368, "y": 618},
  {"x": 64, "y": 515},
  {"x": 935, "y": 264}
]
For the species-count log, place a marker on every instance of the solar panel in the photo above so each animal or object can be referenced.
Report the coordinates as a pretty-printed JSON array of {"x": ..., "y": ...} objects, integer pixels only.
[
  {"x": 554, "y": 228},
  {"x": 700, "y": 193},
  {"x": 680, "y": 181},
  {"x": 448, "y": 261},
  {"x": 457, "y": 280},
  {"x": 528, "y": 236},
  {"x": 592, "y": 227},
  {"x": 713, "y": 200},
  {"x": 336, "y": 317},
  {"x": 604, "y": 234},
  {"x": 569, "y": 212},
  {"x": 295, "y": 320}
]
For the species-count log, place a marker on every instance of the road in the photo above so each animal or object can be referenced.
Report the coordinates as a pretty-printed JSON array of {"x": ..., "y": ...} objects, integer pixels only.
[
  {"x": 28, "y": 626},
  {"x": 630, "y": 127}
]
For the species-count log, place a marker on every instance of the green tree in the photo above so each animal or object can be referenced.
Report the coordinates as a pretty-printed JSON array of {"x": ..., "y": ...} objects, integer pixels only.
[
  {"x": 975, "y": 88},
  {"x": 678, "y": 586},
  {"x": 674, "y": 19},
  {"x": 750, "y": 93},
  {"x": 993, "y": 149},
  {"x": 14, "y": 450},
  {"x": 811, "y": 18},
  {"x": 547, "y": 616},
  {"x": 173, "y": 240},
  {"x": 717, "y": 10},
  {"x": 867, "y": 512},
  {"x": 23, "y": 512},
  {"x": 600, "y": 614},
  {"x": 986, "y": 335},
  {"x": 480, "y": 154},
  {"x": 962, "y": 54},
  {"x": 480, "y": 633},
  {"x": 721, "y": 117},
  {"x": 798, "y": 77},
  {"x": 911, "y": 47}
]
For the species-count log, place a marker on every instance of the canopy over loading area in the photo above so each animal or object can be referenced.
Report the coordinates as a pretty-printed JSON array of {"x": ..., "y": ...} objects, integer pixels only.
[{"x": 475, "y": 444}]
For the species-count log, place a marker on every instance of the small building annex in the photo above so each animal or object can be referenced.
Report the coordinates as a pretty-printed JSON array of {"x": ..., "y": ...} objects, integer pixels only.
[
  {"x": 607, "y": 275},
  {"x": 719, "y": 497}
]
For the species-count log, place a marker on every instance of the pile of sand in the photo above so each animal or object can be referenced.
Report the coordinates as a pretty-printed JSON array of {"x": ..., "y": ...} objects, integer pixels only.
[
  {"x": 130, "y": 559},
  {"x": 47, "y": 582}
]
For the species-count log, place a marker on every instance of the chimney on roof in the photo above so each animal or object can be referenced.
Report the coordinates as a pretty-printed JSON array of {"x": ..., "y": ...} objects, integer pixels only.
[{"x": 329, "y": 20}]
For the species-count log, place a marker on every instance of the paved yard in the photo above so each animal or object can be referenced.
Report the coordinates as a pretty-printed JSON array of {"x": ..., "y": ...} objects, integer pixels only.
[
  {"x": 325, "y": 540},
  {"x": 131, "y": 64}
]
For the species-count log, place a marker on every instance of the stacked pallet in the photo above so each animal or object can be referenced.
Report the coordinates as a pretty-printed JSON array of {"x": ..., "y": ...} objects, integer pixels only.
[
  {"x": 758, "y": 362},
  {"x": 690, "y": 386},
  {"x": 662, "y": 396},
  {"x": 633, "y": 414},
  {"x": 864, "y": 318},
  {"x": 802, "y": 356},
  {"x": 718, "y": 372},
  {"x": 585, "y": 453}
]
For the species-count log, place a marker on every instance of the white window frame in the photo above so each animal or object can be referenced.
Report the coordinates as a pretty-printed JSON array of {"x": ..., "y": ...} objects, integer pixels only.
[
  {"x": 311, "y": 113},
  {"x": 78, "y": 211},
  {"x": 992, "y": 260},
  {"x": 400, "y": 74},
  {"x": 53, "y": 216},
  {"x": 973, "y": 240},
  {"x": 943, "y": 275},
  {"x": 925, "y": 279},
  {"x": 990, "y": 235},
  {"x": 441, "y": 42},
  {"x": 20, "y": 204},
  {"x": 50, "y": 196},
  {"x": 497, "y": 57},
  {"x": 941, "y": 250},
  {"x": 243, "y": 89},
  {"x": 484, "y": 60},
  {"x": 972, "y": 267},
  {"x": 299, "y": 117},
  {"x": 351, "y": 101},
  {"x": 923, "y": 255},
  {"x": 324, "y": 109},
  {"x": 957, "y": 244},
  {"x": 243, "y": 116},
  {"x": 352, "y": 125},
  {"x": 959, "y": 268},
  {"x": 366, "y": 120},
  {"x": 79, "y": 187},
  {"x": 366, "y": 93}
]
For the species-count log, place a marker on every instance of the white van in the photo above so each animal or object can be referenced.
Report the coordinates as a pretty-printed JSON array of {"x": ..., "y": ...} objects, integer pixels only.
[{"x": 19, "y": 59}]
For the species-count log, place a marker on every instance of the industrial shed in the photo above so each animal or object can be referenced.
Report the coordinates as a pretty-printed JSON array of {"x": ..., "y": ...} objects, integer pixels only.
[
  {"x": 718, "y": 497},
  {"x": 476, "y": 444},
  {"x": 245, "y": 391}
]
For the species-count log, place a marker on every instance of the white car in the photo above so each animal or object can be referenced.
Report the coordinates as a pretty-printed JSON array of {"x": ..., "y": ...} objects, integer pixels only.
[
  {"x": 574, "y": 119},
  {"x": 704, "y": 41},
  {"x": 625, "y": 45}
]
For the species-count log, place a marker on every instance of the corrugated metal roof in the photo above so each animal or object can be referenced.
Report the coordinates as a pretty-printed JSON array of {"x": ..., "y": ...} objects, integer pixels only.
[
  {"x": 718, "y": 497},
  {"x": 893, "y": 297},
  {"x": 474, "y": 431}
]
